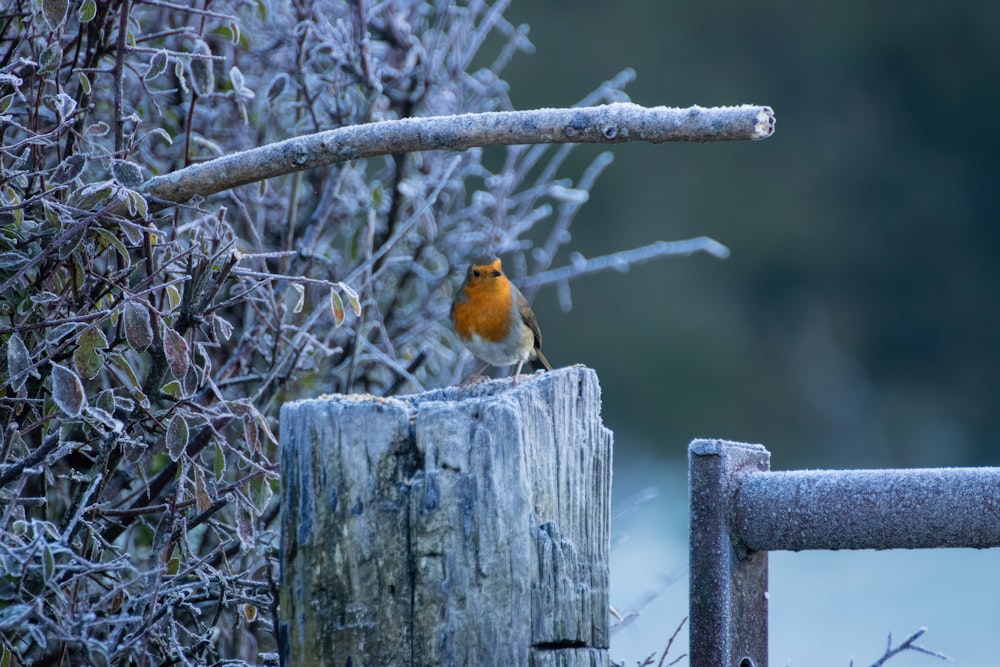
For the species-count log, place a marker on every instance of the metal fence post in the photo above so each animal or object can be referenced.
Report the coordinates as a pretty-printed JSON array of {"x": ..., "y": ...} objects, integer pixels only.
[
  {"x": 728, "y": 622},
  {"x": 740, "y": 511}
]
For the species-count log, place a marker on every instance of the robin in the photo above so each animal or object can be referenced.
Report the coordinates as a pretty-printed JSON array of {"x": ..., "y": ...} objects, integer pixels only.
[{"x": 494, "y": 320}]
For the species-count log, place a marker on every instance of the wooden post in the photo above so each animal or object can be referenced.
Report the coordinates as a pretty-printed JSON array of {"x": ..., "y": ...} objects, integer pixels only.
[{"x": 455, "y": 527}]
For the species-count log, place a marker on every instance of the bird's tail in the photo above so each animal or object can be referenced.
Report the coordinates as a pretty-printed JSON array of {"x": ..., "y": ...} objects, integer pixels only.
[{"x": 540, "y": 363}]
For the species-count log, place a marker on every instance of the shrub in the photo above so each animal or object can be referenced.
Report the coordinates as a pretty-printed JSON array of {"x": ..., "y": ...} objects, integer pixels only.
[{"x": 148, "y": 346}]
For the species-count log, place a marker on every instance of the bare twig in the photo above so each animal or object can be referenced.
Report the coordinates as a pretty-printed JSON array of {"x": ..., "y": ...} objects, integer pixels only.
[
  {"x": 608, "y": 124},
  {"x": 907, "y": 644},
  {"x": 670, "y": 643}
]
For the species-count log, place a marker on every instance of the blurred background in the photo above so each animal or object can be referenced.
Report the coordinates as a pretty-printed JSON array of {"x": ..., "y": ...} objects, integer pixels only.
[{"x": 854, "y": 325}]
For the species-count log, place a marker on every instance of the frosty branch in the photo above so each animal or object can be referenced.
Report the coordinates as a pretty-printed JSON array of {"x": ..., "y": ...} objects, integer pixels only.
[{"x": 610, "y": 124}]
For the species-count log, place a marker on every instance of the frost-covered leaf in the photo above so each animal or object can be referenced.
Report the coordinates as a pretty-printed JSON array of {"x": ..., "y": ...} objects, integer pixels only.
[
  {"x": 236, "y": 79},
  {"x": 48, "y": 562},
  {"x": 278, "y": 84},
  {"x": 250, "y": 434},
  {"x": 176, "y": 349},
  {"x": 114, "y": 242},
  {"x": 67, "y": 391},
  {"x": 12, "y": 259},
  {"x": 223, "y": 329},
  {"x": 337, "y": 306},
  {"x": 105, "y": 418},
  {"x": 173, "y": 296},
  {"x": 247, "y": 610},
  {"x": 352, "y": 298},
  {"x": 93, "y": 194},
  {"x": 18, "y": 361},
  {"x": 242, "y": 407},
  {"x": 55, "y": 12},
  {"x": 127, "y": 173},
  {"x": 137, "y": 206},
  {"x": 219, "y": 464},
  {"x": 300, "y": 299},
  {"x": 50, "y": 58},
  {"x": 244, "y": 527},
  {"x": 61, "y": 103},
  {"x": 69, "y": 169},
  {"x": 98, "y": 129},
  {"x": 86, "y": 357},
  {"x": 202, "y": 74},
  {"x": 106, "y": 401},
  {"x": 201, "y": 496},
  {"x": 177, "y": 436},
  {"x": 260, "y": 493},
  {"x": 157, "y": 65},
  {"x": 181, "y": 75}
]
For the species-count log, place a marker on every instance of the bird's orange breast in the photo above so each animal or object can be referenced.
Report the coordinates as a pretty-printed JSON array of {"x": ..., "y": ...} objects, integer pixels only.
[{"x": 484, "y": 310}]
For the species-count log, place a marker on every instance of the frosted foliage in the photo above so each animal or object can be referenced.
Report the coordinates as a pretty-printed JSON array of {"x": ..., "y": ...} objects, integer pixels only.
[{"x": 147, "y": 347}]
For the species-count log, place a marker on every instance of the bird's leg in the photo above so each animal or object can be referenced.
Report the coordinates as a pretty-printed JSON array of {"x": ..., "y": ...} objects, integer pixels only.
[
  {"x": 517, "y": 372},
  {"x": 476, "y": 377}
]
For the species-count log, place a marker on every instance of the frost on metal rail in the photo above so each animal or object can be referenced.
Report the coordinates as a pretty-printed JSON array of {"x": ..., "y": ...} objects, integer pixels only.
[{"x": 740, "y": 510}]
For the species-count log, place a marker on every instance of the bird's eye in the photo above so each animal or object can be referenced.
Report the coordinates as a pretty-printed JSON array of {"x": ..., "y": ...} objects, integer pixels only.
[
  {"x": 497, "y": 274},
  {"x": 475, "y": 273}
]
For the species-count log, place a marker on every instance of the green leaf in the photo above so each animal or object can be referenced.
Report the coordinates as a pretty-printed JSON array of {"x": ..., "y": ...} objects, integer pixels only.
[
  {"x": 67, "y": 391},
  {"x": 86, "y": 358},
  {"x": 5, "y": 102},
  {"x": 87, "y": 12},
  {"x": 173, "y": 296},
  {"x": 173, "y": 388},
  {"x": 177, "y": 436}
]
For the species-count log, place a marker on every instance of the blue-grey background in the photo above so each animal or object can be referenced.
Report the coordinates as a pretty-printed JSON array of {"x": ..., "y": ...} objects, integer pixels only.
[{"x": 855, "y": 324}]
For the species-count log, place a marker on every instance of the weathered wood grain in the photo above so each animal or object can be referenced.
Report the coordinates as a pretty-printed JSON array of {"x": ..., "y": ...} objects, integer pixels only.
[{"x": 455, "y": 527}]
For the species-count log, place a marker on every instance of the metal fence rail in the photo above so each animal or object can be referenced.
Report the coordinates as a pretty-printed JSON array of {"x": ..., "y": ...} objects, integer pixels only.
[{"x": 740, "y": 510}]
